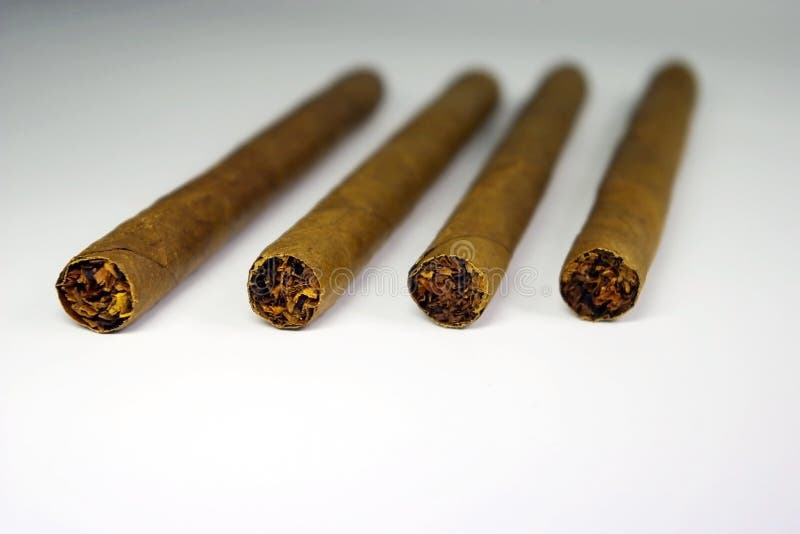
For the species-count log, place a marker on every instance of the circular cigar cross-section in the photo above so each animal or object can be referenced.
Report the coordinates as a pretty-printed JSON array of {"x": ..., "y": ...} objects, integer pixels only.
[
  {"x": 449, "y": 289},
  {"x": 598, "y": 285},
  {"x": 96, "y": 294},
  {"x": 284, "y": 290}
]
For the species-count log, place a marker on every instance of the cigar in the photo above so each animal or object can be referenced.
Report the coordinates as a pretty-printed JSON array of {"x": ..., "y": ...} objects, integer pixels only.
[
  {"x": 305, "y": 270},
  {"x": 604, "y": 271},
  {"x": 123, "y": 274},
  {"x": 460, "y": 272}
]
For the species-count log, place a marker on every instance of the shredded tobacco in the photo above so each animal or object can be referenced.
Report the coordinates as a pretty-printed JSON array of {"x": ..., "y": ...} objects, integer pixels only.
[
  {"x": 97, "y": 294},
  {"x": 599, "y": 286},
  {"x": 285, "y": 291},
  {"x": 449, "y": 289}
]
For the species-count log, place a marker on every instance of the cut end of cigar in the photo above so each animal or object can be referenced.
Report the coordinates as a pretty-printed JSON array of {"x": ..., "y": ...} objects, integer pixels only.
[
  {"x": 599, "y": 286},
  {"x": 285, "y": 291},
  {"x": 449, "y": 289},
  {"x": 96, "y": 294}
]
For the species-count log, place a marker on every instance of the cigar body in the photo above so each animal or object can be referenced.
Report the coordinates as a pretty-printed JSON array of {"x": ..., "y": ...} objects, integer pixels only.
[
  {"x": 300, "y": 275},
  {"x": 123, "y": 274},
  {"x": 459, "y": 273},
  {"x": 607, "y": 265}
]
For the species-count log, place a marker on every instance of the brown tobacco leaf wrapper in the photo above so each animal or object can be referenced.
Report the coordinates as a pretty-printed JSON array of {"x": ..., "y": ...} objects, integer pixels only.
[
  {"x": 461, "y": 270},
  {"x": 300, "y": 275},
  {"x": 607, "y": 265},
  {"x": 123, "y": 274}
]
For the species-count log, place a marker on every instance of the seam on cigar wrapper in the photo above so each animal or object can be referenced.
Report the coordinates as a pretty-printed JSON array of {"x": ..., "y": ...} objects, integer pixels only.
[{"x": 98, "y": 253}]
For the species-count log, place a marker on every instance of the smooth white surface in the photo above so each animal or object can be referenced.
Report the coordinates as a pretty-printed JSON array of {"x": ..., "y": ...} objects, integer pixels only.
[{"x": 682, "y": 417}]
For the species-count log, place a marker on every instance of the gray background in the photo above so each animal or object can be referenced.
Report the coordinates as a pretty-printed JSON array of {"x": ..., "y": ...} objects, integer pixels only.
[{"x": 682, "y": 417}]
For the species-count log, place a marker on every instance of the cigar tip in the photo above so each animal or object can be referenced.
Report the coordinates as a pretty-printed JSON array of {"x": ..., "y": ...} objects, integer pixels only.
[
  {"x": 678, "y": 70},
  {"x": 449, "y": 289},
  {"x": 569, "y": 69},
  {"x": 569, "y": 76},
  {"x": 598, "y": 285},
  {"x": 481, "y": 75},
  {"x": 366, "y": 74},
  {"x": 283, "y": 290},
  {"x": 96, "y": 294},
  {"x": 479, "y": 71},
  {"x": 364, "y": 84}
]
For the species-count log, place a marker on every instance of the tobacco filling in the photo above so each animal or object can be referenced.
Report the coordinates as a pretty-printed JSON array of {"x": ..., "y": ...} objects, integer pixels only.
[
  {"x": 96, "y": 294},
  {"x": 599, "y": 286},
  {"x": 449, "y": 289},
  {"x": 285, "y": 290}
]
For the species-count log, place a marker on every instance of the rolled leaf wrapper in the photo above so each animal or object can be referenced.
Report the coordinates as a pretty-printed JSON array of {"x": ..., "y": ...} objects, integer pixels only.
[
  {"x": 304, "y": 271},
  {"x": 459, "y": 273},
  {"x": 123, "y": 274},
  {"x": 604, "y": 271}
]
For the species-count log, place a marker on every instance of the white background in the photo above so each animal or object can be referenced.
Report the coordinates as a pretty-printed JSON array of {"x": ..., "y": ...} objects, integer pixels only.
[{"x": 681, "y": 417}]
